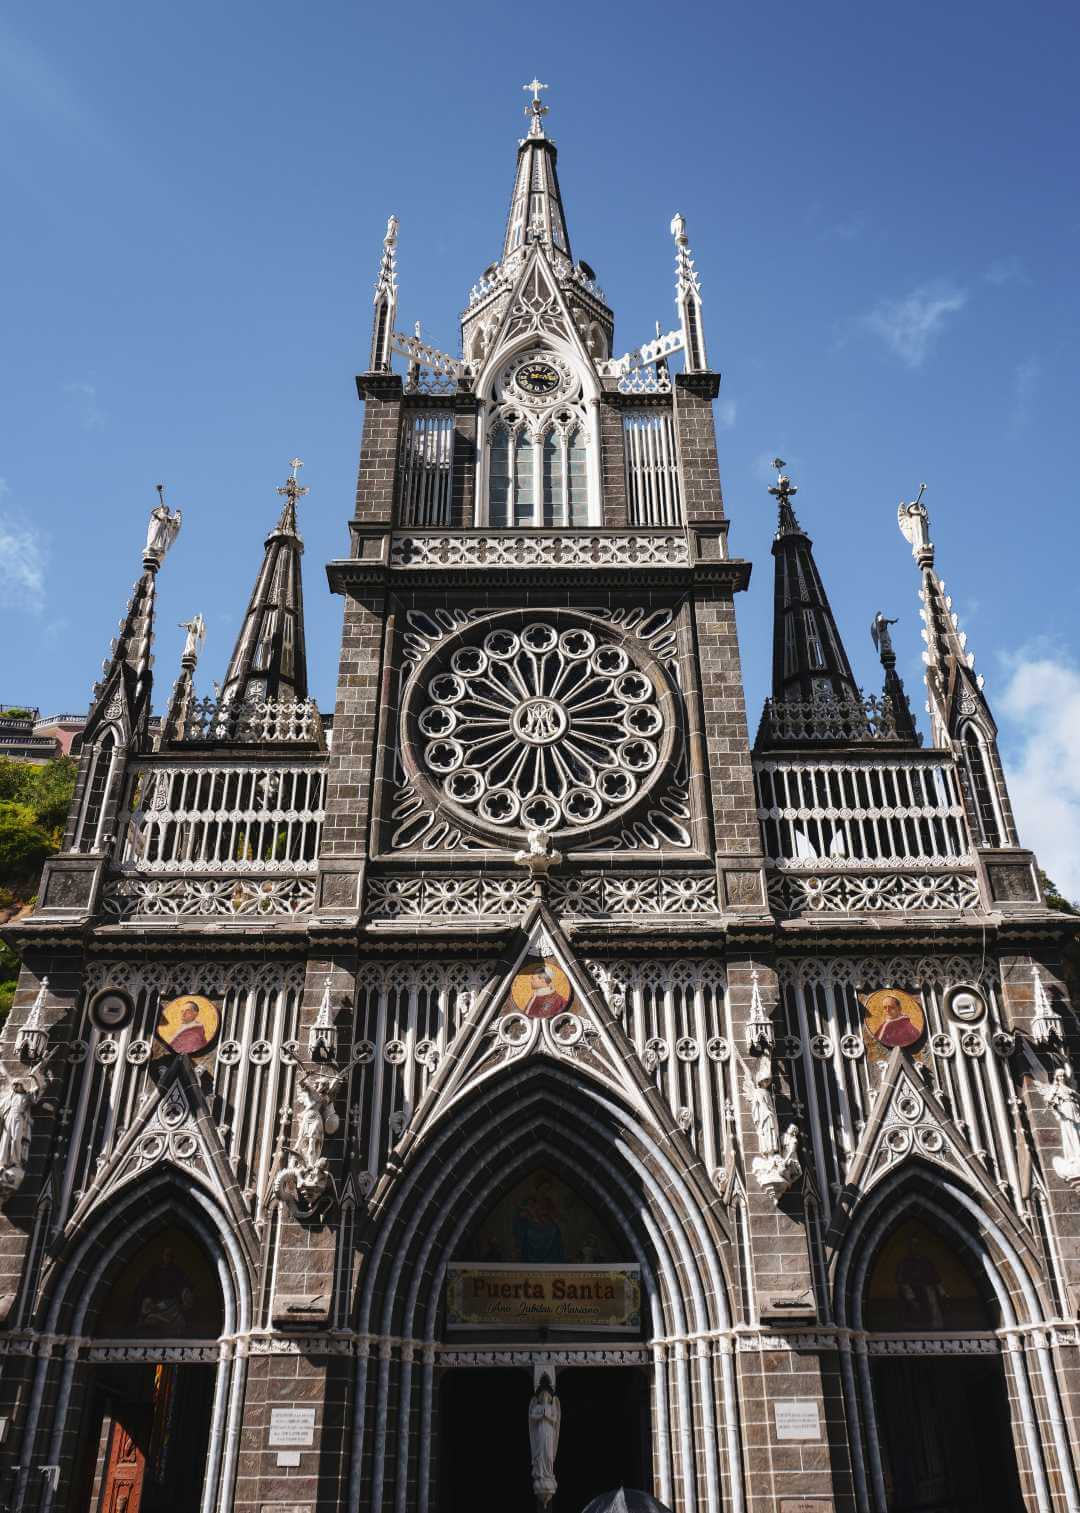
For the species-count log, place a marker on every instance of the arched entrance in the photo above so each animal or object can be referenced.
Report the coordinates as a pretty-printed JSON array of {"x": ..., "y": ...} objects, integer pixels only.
[
  {"x": 943, "y": 1418},
  {"x": 146, "y": 1425},
  {"x": 946, "y": 1361},
  {"x": 544, "y": 1273},
  {"x": 458, "y": 1197},
  {"x": 141, "y": 1408}
]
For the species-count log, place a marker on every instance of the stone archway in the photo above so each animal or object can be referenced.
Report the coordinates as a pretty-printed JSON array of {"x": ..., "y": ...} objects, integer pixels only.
[{"x": 540, "y": 1115}]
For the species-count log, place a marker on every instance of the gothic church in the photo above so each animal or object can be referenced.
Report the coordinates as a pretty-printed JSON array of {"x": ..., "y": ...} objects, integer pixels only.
[{"x": 534, "y": 1082}]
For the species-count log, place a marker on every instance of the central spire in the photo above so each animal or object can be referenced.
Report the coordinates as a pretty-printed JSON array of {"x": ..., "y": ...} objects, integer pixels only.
[{"x": 536, "y": 211}]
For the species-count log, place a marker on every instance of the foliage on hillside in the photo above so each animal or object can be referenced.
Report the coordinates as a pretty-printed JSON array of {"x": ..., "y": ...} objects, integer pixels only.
[{"x": 34, "y": 803}]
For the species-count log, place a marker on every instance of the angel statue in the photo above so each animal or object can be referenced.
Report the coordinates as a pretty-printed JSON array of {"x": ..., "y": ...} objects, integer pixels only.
[
  {"x": 881, "y": 635},
  {"x": 163, "y": 529},
  {"x": 914, "y": 523},
  {"x": 18, "y": 1097},
  {"x": 316, "y": 1116},
  {"x": 196, "y": 635},
  {"x": 1062, "y": 1100}
]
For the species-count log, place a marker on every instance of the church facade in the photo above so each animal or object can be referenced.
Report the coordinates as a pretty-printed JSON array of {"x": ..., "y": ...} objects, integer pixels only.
[{"x": 541, "y": 1082}]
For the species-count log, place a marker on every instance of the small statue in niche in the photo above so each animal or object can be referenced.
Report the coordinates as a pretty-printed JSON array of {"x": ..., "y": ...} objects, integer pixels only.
[
  {"x": 545, "y": 1418},
  {"x": 306, "y": 1175},
  {"x": 19, "y": 1096},
  {"x": 1061, "y": 1098},
  {"x": 762, "y": 1110}
]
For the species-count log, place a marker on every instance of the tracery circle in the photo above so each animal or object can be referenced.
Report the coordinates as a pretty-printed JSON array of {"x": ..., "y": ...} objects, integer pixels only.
[{"x": 556, "y": 723}]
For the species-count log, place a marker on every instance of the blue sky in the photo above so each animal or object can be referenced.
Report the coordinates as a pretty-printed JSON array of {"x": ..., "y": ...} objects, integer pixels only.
[{"x": 881, "y": 201}]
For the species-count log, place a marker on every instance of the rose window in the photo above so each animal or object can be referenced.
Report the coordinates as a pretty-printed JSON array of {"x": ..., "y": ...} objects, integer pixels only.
[{"x": 536, "y": 724}]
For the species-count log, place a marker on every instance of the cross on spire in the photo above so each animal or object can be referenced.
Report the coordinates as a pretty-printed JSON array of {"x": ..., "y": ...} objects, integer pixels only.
[
  {"x": 782, "y": 490},
  {"x": 291, "y": 488},
  {"x": 534, "y": 108}
]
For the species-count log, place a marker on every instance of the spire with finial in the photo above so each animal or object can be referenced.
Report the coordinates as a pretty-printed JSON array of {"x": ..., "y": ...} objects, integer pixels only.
[
  {"x": 688, "y": 298},
  {"x": 894, "y": 691},
  {"x": 809, "y": 660},
  {"x": 385, "y": 301},
  {"x": 959, "y": 711},
  {"x": 535, "y": 110},
  {"x": 269, "y": 660},
  {"x": 183, "y": 693},
  {"x": 536, "y": 211},
  {"x": 122, "y": 693}
]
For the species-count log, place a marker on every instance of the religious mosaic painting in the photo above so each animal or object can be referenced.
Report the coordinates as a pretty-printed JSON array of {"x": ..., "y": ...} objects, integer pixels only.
[
  {"x": 187, "y": 1026},
  {"x": 167, "y": 1290},
  {"x": 542, "y": 1220},
  {"x": 892, "y": 1018},
  {"x": 918, "y": 1282},
  {"x": 541, "y": 990}
]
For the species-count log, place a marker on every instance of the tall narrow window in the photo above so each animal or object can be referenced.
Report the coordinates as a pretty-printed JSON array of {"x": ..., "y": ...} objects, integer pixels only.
[
  {"x": 96, "y": 789},
  {"x": 552, "y": 466},
  {"x": 524, "y": 481},
  {"x": 499, "y": 478},
  {"x": 577, "y": 483},
  {"x": 982, "y": 789}
]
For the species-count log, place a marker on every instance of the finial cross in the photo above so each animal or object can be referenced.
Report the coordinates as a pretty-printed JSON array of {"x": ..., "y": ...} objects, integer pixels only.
[
  {"x": 535, "y": 109},
  {"x": 783, "y": 488},
  {"x": 292, "y": 488}
]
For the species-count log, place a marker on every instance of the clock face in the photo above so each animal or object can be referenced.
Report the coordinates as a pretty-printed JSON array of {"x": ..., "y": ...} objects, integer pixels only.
[{"x": 537, "y": 377}]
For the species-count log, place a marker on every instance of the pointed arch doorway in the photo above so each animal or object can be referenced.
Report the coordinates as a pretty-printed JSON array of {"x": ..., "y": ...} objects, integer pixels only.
[
  {"x": 540, "y": 1242},
  {"x": 939, "y": 1388},
  {"x": 145, "y": 1410}
]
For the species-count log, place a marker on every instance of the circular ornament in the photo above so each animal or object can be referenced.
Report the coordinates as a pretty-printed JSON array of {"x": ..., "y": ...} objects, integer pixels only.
[
  {"x": 394, "y": 1052},
  {"x": 687, "y": 1048},
  {"x": 656, "y": 1052},
  {"x": 260, "y": 1053},
  {"x": 820, "y": 1047},
  {"x": 363, "y": 1052},
  {"x": 943, "y": 1046},
  {"x": 111, "y": 1009},
  {"x": 965, "y": 1004},
  {"x": 851, "y": 1046},
  {"x": 230, "y": 1052},
  {"x": 557, "y": 724},
  {"x": 972, "y": 1043},
  {"x": 107, "y": 1052},
  {"x": 137, "y": 1052},
  {"x": 718, "y": 1048},
  {"x": 514, "y": 1029},
  {"x": 567, "y": 1029}
]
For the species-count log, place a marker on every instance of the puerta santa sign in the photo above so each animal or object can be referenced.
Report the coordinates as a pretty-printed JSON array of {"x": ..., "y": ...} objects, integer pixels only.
[{"x": 504, "y": 1296}]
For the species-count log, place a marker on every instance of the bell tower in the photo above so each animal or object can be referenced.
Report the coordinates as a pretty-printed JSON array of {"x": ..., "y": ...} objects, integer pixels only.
[{"x": 540, "y": 608}]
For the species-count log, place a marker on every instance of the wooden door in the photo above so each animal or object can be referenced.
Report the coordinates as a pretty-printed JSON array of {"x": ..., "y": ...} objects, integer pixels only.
[{"x": 125, "y": 1468}]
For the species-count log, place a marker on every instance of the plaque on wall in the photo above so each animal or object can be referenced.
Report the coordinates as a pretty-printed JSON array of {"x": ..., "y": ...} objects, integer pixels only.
[
  {"x": 806, "y": 1505},
  {"x": 292, "y": 1426},
  {"x": 598, "y": 1299},
  {"x": 797, "y": 1418}
]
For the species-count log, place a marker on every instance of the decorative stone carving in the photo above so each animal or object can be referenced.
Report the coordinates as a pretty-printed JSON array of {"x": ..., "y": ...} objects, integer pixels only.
[
  {"x": 19, "y": 1096},
  {"x": 775, "y": 1174},
  {"x": 185, "y": 897},
  {"x": 305, "y": 1177},
  {"x": 1060, "y": 1097},
  {"x": 576, "y": 550}
]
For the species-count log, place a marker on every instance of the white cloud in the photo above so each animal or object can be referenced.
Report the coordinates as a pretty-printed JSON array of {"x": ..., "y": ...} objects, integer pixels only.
[
  {"x": 23, "y": 554},
  {"x": 909, "y": 326},
  {"x": 1040, "y": 740},
  {"x": 725, "y": 414},
  {"x": 84, "y": 395},
  {"x": 1025, "y": 377}
]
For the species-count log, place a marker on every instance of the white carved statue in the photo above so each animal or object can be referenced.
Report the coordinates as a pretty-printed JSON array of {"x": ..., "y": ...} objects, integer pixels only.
[
  {"x": 545, "y": 1417},
  {"x": 776, "y": 1173},
  {"x": 196, "y": 635},
  {"x": 762, "y": 1111},
  {"x": 17, "y": 1099},
  {"x": 162, "y": 531},
  {"x": 539, "y": 854},
  {"x": 1064, "y": 1103},
  {"x": 881, "y": 635},
  {"x": 914, "y": 523},
  {"x": 316, "y": 1115}
]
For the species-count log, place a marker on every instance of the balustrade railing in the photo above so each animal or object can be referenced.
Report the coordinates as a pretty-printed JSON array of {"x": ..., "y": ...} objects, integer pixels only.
[
  {"x": 229, "y": 818},
  {"x": 828, "y": 719},
  {"x": 838, "y": 815},
  {"x": 243, "y": 721}
]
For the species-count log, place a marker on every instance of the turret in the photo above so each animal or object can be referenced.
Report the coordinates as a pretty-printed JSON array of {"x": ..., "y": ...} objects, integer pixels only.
[
  {"x": 809, "y": 660},
  {"x": 183, "y": 694},
  {"x": 960, "y": 715},
  {"x": 118, "y": 724},
  {"x": 269, "y": 660}
]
